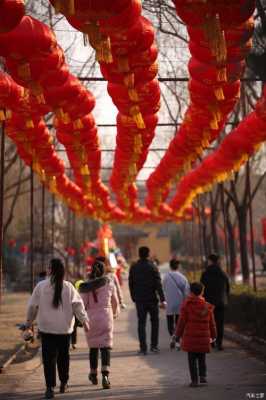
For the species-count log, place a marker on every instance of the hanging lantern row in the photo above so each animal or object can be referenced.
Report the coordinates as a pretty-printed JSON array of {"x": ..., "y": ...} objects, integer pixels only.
[
  {"x": 234, "y": 151},
  {"x": 34, "y": 143},
  {"x": 39, "y": 64},
  {"x": 125, "y": 49},
  {"x": 218, "y": 46}
]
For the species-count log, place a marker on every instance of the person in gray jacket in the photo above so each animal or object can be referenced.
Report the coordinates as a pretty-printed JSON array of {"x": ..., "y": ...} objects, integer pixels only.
[{"x": 176, "y": 289}]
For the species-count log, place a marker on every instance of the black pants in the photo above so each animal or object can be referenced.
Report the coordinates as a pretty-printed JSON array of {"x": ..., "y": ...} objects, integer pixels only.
[
  {"x": 171, "y": 323},
  {"x": 142, "y": 311},
  {"x": 55, "y": 351},
  {"x": 219, "y": 320},
  {"x": 197, "y": 365},
  {"x": 105, "y": 358}
]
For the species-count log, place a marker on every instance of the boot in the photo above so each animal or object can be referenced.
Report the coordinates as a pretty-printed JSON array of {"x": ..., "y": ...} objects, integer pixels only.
[
  {"x": 49, "y": 394},
  {"x": 93, "y": 378},
  {"x": 105, "y": 381}
]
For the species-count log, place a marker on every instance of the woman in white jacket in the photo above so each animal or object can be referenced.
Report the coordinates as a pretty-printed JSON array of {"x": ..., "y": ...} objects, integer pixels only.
[{"x": 55, "y": 302}]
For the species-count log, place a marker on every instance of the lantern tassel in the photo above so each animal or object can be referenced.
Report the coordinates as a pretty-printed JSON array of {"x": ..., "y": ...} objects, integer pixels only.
[
  {"x": 219, "y": 93},
  {"x": 137, "y": 117},
  {"x": 2, "y": 115},
  {"x": 133, "y": 95},
  {"x": 123, "y": 65},
  {"x": 222, "y": 75},
  {"x": 215, "y": 37},
  {"x": 129, "y": 80}
]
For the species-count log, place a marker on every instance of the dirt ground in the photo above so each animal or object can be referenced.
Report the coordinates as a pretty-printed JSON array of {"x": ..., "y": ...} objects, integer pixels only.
[{"x": 13, "y": 311}]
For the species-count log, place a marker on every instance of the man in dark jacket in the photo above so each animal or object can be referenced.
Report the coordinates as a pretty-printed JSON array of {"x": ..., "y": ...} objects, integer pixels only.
[
  {"x": 145, "y": 286},
  {"x": 216, "y": 292}
]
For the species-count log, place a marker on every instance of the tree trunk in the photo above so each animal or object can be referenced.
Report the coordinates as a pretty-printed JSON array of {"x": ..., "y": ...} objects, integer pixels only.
[
  {"x": 231, "y": 247},
  {"x": 206, "y": 247},
  {"x": 242, "y": 223},
  {"x": 214, "y": 234}
]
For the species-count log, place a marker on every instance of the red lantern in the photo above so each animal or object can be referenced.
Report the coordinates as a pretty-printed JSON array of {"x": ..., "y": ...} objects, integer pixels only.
[{"x": 11, "y": 13}]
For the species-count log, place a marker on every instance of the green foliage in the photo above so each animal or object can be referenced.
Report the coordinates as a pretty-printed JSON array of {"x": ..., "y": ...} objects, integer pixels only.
[{"x": 246, "y": 311}]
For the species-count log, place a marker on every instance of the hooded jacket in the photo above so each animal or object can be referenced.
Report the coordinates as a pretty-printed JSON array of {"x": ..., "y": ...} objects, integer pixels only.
[{"x": 196, "y": 325}]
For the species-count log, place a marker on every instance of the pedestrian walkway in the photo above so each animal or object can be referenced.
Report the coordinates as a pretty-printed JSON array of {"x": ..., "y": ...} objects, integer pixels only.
[{"x": 232, "y": 374}]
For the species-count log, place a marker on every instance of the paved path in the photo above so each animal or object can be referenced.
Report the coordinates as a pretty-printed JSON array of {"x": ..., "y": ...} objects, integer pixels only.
[{"x": 232, "y": 374}]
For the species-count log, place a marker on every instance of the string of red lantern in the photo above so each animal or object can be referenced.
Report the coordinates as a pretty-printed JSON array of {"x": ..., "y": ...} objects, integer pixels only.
[
  {"x": 125, "y": 49},
  {"x": 218, "y": 46},
  {"x": 58, "y": 90},
  {"x": 27, "y": 129},
  {"x": 234, "y": 151}
]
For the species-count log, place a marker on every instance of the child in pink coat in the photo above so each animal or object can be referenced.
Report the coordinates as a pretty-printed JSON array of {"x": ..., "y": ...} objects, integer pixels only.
[{"x": 102, "y": 307}]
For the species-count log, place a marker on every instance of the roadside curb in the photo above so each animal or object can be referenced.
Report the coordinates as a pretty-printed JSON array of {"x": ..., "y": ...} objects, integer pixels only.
[{"x": 257, "y": 345}]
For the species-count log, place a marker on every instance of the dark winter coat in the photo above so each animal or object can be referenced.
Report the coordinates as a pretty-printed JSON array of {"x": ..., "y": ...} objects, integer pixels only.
[
  {"x": 145, "y": 282},
  {"x": 196, "y": 325},
  {"x": 216, "y": 285}
]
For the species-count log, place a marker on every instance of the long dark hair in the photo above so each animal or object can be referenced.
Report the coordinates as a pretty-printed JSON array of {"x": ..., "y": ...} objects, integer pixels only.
[
  {"x": 97, "y": 270},
  {"x": 57, "y": 277}
]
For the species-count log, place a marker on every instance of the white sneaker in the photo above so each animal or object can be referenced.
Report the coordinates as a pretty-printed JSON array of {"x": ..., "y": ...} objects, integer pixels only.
[{"x": 177, "y": 346}]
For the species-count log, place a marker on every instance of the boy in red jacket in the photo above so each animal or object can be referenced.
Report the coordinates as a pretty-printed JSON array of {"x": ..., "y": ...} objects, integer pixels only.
[{"x": 196, "y": 327}]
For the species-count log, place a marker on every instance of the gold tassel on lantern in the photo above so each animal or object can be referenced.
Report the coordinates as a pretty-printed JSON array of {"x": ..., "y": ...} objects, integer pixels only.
[
  {"x": 122, "y": 63},
  {"x": 103, "y": 51},
  {"x": 66, "y": 119},
  {"x": 52, "y": 184},
  {"x": 206, "y": 138},
  {"x": 2, "y": 115},
  {"x": 136, "y": 115},
  {"x": 40, "y": 99},
  {"x": 138, "y": 143},
  {"x": 133, "y": 95},
  {"x": 214, "y": 123},
  {"x": 77, "y": 124},
  {"x": 219, "y": 93},
  {"x": 100, "y": 43},
  {"x": 8, "y": 114},
  {"x": 29, "y": 123},
  {"x": 24, "y": 71},
  {"x": 84, "y": 170},
  {"x": 129, "y": 80},
  {"x": 215, "y": 37},
  {"x": 36, "y": 89},
  {"x": 222, "y": 74}
]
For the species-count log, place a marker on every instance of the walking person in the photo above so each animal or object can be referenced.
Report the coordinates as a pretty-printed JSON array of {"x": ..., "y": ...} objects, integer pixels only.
[
  {"x": 145, "y": 286},
  {"x": 101, "y": 303},
  {"x": 216, "y": 292},
  {"x": 111, "y": 273},
  {"x": 196, "y": 328},
  {"x": 176, "y": 289},
  {"x": 55, "y": 302}
]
